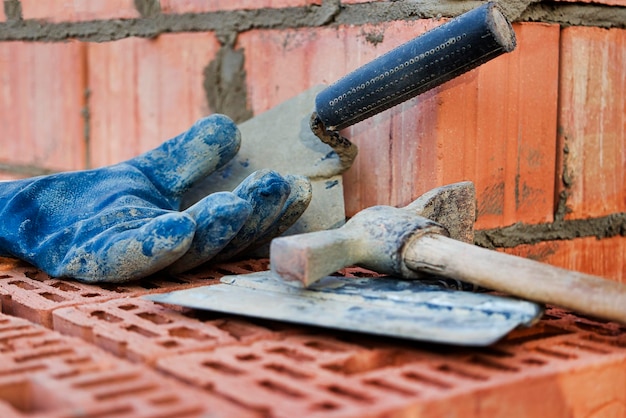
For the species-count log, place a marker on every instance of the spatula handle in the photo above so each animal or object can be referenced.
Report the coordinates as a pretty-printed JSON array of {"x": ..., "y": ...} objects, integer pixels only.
[
  {"x": 417, "y": 66},
  {"x": 518, "y": 276}
]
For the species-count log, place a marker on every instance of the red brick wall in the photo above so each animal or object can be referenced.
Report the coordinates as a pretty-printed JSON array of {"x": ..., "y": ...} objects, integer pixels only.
[{"x": 540, "y": 131}]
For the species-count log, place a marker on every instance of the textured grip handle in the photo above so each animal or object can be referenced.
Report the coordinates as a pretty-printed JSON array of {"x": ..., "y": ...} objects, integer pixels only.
[{"x": 417, "y": 66}]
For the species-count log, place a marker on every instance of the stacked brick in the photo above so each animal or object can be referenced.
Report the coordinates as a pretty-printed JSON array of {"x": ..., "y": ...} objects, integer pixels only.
[{"x": 540, "y": 131}]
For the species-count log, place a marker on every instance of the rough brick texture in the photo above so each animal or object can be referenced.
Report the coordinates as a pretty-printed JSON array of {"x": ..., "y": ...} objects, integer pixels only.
[
  {"x": 145, "y": 91},
  {"x": 199, "y": 6},
  {"x": 494, "y": 125},
  {"x": 605, "y": 257},
  {"x": 560, "y": 361},
  {"x": 592, "y": 120},
  {"x": 47, "y": 375},
  {"x": 41, "y": 107},
  {"x": 78, "y": 10},
  {"x": 31, "y": 294}
]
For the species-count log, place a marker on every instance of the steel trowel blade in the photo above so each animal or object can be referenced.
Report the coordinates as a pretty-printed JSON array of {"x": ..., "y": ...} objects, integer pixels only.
[{"x": 382, "y": 306}]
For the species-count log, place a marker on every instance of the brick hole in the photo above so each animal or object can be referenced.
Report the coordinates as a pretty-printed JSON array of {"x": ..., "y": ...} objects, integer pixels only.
[
  {"x": 40, "y": 276},
  {"x": 390, "y": 387},
  {"x": 90, "y": 295},
  {"x": 427, "y": 380},
  {"x": 23, "y": 370},
  {"x": 598, "y": 330},
  {"x": 585, "y": 347},
  {"x": 222, "y": 368},
  {"x": 149, "y": 285},
  {"x": 164, "y": 400},
  {"x": 169, "y": 343},
  {"x": 280, "y": 388},
  {"x": 65, "y": 287},
  {"x": 324, "y": 346},
  {"x": 532, "y": 361},
  {"x": 491, "y": 364},
  {"x": 105, "y": 316},
  {"x": 43, "y": 355},
  {"x": 128, "y": 307},
  {"x": 77, "y": 360},
  {"x": 247, "y": 357},
  {"x": 112, "y": 288},
  {"x": 175, "y": 280},
  {"x": 460, "y": 372},
  {"x": 494, "y": 352},
  {"x": 52, "y": 296},
  {"x": 325, "y": 406},
  {"x": 540, "y": 331},
  {"x": 154, "y": 318},
  {"x": 348, "y": 393},
  {"x": 77, "y": 371},
  {"x": 281, "y": 369},
  {"x": 46, "y": 343},
  {"x": 290, "y": 353},
  {"x": 189, "y": 333},
  {"x": 141, "y": 331},
  {"x": 22, "y": 285},
  {"x": 5, "y": 276},
  {"x": 555, "y": 354},
  {"x": 612, "y": 342},
  {"x": 593, "y": 319}
]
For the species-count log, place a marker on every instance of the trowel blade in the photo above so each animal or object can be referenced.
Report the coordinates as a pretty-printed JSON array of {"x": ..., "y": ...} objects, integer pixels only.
[
  {"x": 382, "y": 306},
  {"x": 281, "y": 139}
]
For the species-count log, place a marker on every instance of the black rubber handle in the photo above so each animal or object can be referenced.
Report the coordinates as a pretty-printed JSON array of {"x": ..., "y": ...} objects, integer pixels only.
[{"x": 417, "y": 66}]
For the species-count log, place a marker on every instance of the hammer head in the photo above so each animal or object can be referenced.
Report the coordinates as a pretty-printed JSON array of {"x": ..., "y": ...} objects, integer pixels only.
[{"x": 375, "y": 237}]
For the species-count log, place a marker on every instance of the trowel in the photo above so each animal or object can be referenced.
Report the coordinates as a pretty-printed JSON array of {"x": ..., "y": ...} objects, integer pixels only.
[
  {"x": 301, "y": 135},
  {"x": 425, "y": 310}
]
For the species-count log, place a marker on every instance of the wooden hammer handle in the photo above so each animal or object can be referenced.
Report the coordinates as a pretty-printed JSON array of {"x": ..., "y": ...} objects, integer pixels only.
[{"x": 518, "y": 276}]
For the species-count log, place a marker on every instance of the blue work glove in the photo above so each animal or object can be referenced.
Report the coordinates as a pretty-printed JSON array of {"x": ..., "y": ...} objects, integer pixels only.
[{"x": 123, "y": 222}]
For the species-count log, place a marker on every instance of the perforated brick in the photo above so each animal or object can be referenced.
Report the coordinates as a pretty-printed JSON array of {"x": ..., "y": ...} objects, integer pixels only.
[
  {"x": 141, "y": 330},
  {"x": 45, "y": 374},
  {"x": 565, "y": 365},
  {"x": 29, "y": 293}
]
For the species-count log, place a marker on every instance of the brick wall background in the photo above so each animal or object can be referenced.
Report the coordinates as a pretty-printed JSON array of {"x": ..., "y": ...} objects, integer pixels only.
[{"x": 541, "y": 131}]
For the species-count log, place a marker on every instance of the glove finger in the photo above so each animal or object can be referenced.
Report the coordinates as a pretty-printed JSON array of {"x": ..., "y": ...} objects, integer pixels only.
[
  {"x": 219, "y": 217},
  {"x": 266, "y": 191},
  {"x": 297, "y": 202},
  {"x": 189, "y": 157},
  {"x": 118, "y": 255}
]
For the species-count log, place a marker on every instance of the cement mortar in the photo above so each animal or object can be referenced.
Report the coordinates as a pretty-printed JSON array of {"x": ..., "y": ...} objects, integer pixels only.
[{"x": 329, "y": 13}]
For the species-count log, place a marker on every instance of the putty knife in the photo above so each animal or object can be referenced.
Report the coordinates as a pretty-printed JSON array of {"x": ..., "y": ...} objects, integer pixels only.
[
  {"x": 414, "y": 310},
  {"x": 300, "y": 136}
]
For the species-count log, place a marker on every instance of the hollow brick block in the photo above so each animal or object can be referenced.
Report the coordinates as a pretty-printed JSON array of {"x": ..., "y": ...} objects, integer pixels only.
[
  {"x": 592, "y": 121},
  {"x": 143, "y": 331},
  {"x": 45, "y": 374},
  {"x": 200, "y": 6},
  {"x": 29, "y": 293},
  {"x": 42, "y": 104},
  {"x": 565, "y": 365},
  {"x": 78, "y": 10},
  {"x": 601, "y": 257},
  {"x": 145, "y": 91},
  {"x": 494, "y": 125}
]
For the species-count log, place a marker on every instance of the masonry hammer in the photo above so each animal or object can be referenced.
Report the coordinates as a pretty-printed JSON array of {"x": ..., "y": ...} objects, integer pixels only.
[{"x": 402, "y": 242}]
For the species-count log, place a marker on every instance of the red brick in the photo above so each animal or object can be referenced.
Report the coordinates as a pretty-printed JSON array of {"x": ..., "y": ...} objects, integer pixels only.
[
  {"x": 494, "y": 125},
  {"x": 46, "y": 374},
  {"x": 590, "y": 255},
  {"x": 563, "y": 366},
  {"x": 42, "y": 103},
  {"x": 199, "y": 6},
  {"x": 78, "y": 10},
  {"x": 592, "y": 121},
  {"x": 145, "y": 91},
  {"x": 141, "y": 330},
  {"x": 31, "y": 294}
]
